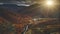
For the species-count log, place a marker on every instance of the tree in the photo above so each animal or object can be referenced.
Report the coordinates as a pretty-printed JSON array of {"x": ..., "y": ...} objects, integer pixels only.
[{"x": 6, "y": 27}]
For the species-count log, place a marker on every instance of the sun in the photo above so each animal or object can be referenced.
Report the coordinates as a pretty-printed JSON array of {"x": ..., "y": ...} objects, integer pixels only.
[{"x": 49, "y": 3}]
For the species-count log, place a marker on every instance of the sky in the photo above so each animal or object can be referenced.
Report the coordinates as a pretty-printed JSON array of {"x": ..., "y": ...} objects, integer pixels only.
[{"x": 34, "y": 10}]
